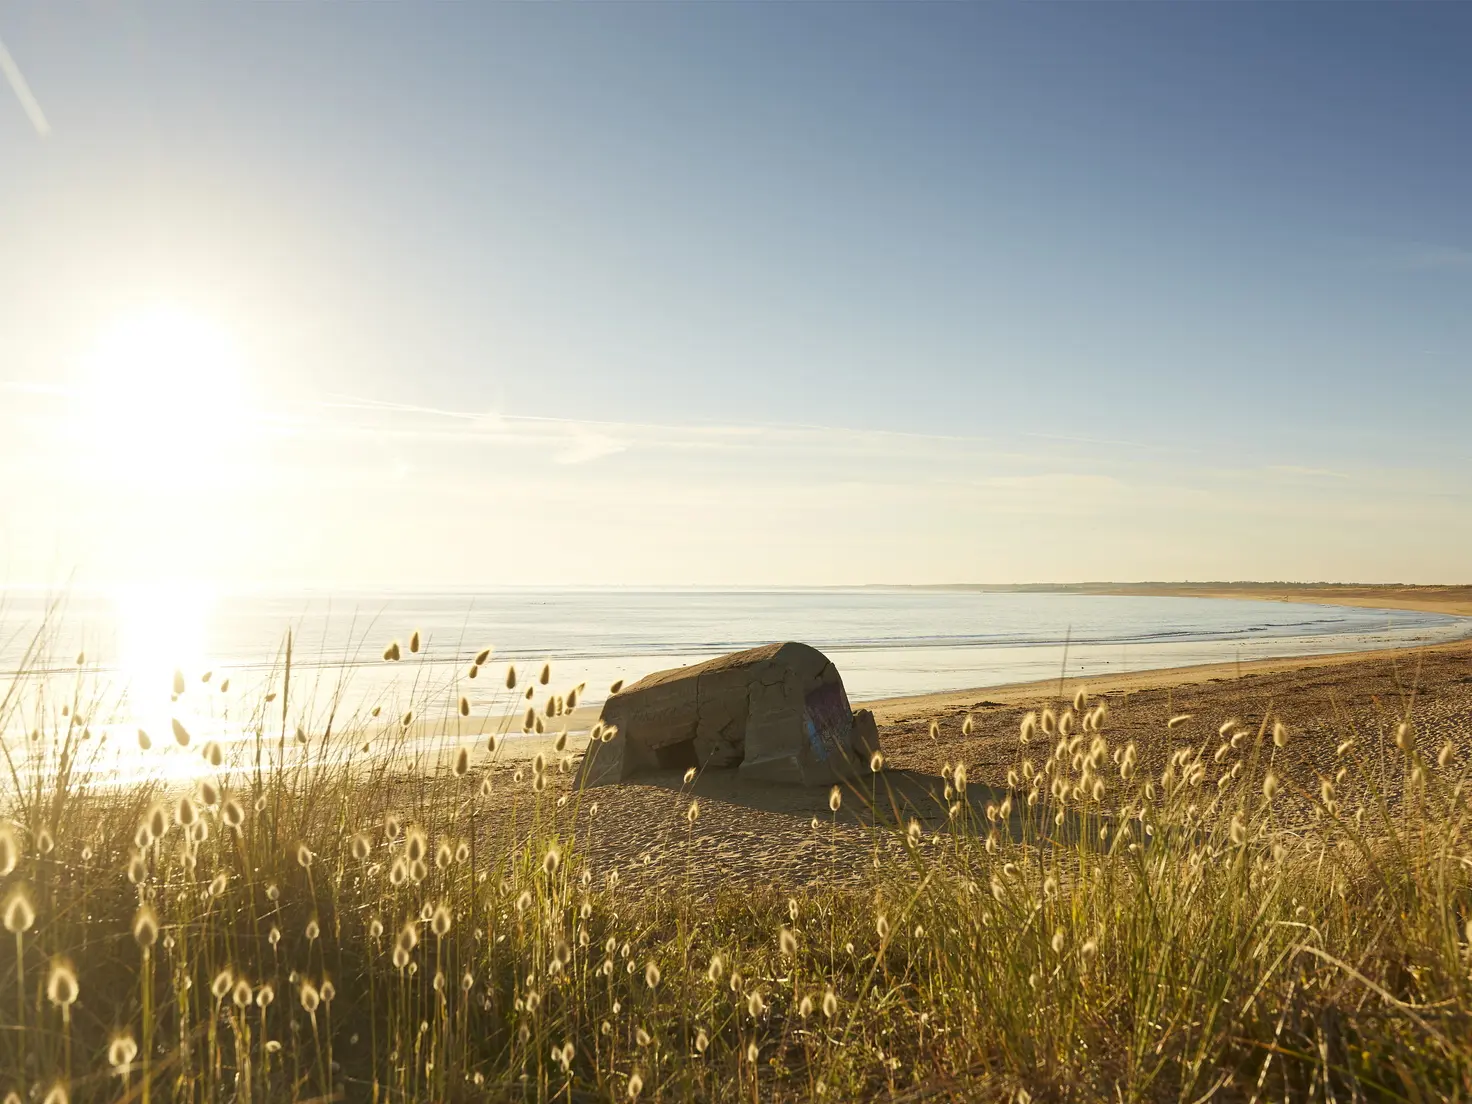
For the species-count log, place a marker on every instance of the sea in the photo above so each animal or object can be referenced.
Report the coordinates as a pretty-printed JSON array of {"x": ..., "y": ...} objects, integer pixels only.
[
  {"x": 886, "y": 642},
  {"x": 179, "y": 668}
]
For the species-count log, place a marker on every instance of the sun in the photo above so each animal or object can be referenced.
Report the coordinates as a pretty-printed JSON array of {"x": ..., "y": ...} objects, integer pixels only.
[{"x": 163, "y": 393}]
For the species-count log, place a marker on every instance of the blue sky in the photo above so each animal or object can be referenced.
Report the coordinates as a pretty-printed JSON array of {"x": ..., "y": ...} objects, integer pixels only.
[{"x": 762, "y": 293}]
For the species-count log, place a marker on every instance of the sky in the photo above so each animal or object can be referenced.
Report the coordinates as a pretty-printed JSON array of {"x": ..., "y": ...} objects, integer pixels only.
[{"x": 449, "y": 295}]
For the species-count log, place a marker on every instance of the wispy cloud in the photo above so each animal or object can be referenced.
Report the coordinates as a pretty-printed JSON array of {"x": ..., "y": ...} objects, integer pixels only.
[
  {"x": 585, "y": 444},
  {"x": 23, "y": 93}
]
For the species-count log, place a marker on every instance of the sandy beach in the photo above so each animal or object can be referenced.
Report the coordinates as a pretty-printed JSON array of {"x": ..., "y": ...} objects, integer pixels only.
[
  {"x": 787, "y": 836},
  {"x": 1453, "y": 600}
]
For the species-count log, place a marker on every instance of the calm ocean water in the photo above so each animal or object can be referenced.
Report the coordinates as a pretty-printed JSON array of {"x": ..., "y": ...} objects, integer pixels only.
[{"x": 885, "y": 642}]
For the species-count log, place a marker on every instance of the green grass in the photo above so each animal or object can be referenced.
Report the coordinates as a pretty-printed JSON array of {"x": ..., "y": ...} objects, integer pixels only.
[{"x": 1096, "y": 932}]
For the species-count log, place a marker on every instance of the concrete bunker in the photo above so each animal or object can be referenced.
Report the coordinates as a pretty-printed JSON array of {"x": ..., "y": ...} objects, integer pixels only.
[{"x": 777, "y": 713}]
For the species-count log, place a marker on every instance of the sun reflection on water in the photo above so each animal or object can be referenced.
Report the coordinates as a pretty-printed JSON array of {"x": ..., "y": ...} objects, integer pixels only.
[{"x": 163, "y": 633}]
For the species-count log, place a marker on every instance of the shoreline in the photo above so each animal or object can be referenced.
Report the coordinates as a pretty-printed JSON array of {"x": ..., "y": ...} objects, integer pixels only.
[
  {"x": 1452, "y": 601},
  {"x": 1455, "y": 601}
]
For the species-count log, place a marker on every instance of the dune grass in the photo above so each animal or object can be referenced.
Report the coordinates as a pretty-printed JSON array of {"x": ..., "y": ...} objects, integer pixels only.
[{"x": 330, "y": 911}]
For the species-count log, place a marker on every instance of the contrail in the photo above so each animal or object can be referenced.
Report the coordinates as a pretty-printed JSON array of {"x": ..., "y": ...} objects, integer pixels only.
[{"x": 23, "y": 92}]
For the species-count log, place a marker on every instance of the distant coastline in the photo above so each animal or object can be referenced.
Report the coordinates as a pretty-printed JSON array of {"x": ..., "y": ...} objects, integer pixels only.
[{"x": 1455, "y": 599}]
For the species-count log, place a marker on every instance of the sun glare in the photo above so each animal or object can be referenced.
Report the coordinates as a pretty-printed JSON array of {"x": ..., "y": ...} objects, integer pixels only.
[
  {"x": 164, "y": 392},
  {"x": 162, "y": 629}
]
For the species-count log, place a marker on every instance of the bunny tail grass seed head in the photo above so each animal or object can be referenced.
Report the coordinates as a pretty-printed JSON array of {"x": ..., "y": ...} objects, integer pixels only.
[
  {"x": 19, "y": 912},
  {"x": 1027, "y": 727},
  {"x": 61, "y": 983},
  {"x": 145, "y": 926},
  {"x": 9, "y": 849},
  {"x": 462, "y": 762},
  {"x": 835, "y": 799},
  {"x": 464, "y": 706},
  {"x": 1405, "y": 738},
  {"x": 232, "y": 813},
  {"x": 121, "y": 1050},
  {"x": 181, "y": 734},
  {"x": 414, "y": 641}
]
